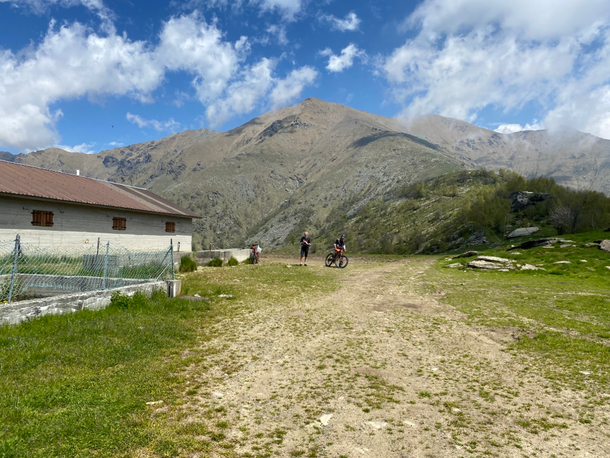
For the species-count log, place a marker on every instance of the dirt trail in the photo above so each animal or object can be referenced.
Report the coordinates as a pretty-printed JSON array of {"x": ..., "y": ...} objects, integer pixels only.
[{"x": 382, "y": 369}]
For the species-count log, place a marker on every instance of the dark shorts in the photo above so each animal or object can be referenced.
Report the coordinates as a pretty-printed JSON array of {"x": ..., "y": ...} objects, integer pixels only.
[{"x": 304, "y": 250}]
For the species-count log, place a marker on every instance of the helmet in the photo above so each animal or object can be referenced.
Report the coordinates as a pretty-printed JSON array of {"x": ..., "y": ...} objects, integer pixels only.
[{"x": 342, "y": 236}]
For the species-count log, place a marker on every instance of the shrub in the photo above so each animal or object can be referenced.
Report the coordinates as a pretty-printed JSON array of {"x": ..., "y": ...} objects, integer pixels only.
[
  {"x": 233, "y": 262},
  {"x": 122, "y": 301},
  {"x": 187, "y": 264},
  {"x": 249, "y": 261},
  {"x": 217, "y": 262}
]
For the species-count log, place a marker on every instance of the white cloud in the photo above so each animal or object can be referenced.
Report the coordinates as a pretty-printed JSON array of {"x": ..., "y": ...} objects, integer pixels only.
[
  {"x": 470, "y": 54},
  {"x": 41, "y": 6},
  {"x": 350, "y": 23},
  {"x": 256, "y": 83},
  {"x": 288, "y": 89},
  {"x": 244, "y": 94},
  {"x": 72, "y": 62},
  {"x": 82, "y": 148},
  {"x": 280, "y": 33},
  {"x": 512, "y": 128},
  {"x": 161, "y": 126},
  {"x": 116, "y": 144},
  {"x": 345, "y": 60},
  {"x": 287, "y": 8}
]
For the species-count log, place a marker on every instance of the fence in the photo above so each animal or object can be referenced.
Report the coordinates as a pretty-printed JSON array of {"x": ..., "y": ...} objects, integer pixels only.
[{"x": 27, "y": 271}]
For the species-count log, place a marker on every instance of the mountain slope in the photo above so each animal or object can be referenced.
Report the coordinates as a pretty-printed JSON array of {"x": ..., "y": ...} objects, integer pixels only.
[
  {"x": 573, "y": 158},
  {"x": 303, "y": 165}
]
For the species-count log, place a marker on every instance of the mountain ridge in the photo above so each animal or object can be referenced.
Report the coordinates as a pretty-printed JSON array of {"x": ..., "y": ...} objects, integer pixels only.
[{"x": 299, "y": 164}]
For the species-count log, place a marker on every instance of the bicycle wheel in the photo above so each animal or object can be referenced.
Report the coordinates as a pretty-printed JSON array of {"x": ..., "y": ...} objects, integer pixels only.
[
  {"x": 330, "y": 259},
  {"x": 342, "y": 261}
]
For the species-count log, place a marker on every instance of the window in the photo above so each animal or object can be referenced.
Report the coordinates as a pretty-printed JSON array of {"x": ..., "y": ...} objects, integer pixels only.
[
  {"x": 119, "y": 224},
  {"x": 170, "y": 227},
  {"x": 42, "y": 218}
]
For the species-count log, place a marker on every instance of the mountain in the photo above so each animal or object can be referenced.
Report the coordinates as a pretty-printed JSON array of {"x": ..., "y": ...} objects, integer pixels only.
[
  {"x": 575, "y": 159},
  {"x": 6, "y": 156},
  {"x": 303, "y": 165}
]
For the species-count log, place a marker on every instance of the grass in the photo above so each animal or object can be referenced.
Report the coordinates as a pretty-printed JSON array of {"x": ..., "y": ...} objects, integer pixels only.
[
  {"x": 560, "y": 315},
  {"x": 77, "y": 385}
]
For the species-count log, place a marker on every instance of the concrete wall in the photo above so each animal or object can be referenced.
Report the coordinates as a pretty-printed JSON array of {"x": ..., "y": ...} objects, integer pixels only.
[
  {"x": 58, "y": 305},
  {"x": 203, "y": 257},
  {"x": 82, "y": 225}
]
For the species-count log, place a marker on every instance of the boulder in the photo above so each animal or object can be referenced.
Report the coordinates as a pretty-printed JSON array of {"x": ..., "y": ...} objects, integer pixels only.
[
  {"x": 493, "y": 259},
  {"x": 466, "y": 254},
  {"x": 455, "y": 264},
  {"x": 523, "y": 199},
  {"x": 522, "y": 231},
  {"x": 562, "y": 262},
  {"x": 485, "y": 265},
  {"x": 531, "y": 267},
  {"x": 605, "y": 245},
  {"x": 533, "y": 243}
]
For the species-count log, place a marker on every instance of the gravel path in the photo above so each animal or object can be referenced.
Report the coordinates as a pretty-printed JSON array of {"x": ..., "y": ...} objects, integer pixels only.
[{"x": 380, "y": 368}]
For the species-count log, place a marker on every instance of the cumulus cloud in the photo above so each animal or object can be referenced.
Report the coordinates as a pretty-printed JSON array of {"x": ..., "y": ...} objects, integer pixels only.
[
  {"x": 471, "y": 54},
  {"x": 41, "y": 6},
  {"x": 343, "y": 61},
  {"x": 257, "y": 82},
  {"x": 512, "y": 128},
  {"x": 288, "y": 8},
  {"x": 349, "y": 24},
  {"x": 160, "y": 126},
  {"x": 72, "y": 61},
  {"x": 288, "y": 89},
  {"x": 86, "y": 148}
]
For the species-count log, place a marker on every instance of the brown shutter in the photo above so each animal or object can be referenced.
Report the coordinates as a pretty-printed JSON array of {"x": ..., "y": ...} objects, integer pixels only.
[{"x": 170, "y": 227}]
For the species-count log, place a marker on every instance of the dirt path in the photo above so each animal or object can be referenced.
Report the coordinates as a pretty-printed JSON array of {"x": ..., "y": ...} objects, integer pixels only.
[{"x": 382, "y": 369}]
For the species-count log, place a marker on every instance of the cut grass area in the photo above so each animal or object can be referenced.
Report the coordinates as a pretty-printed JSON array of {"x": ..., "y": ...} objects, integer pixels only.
[
  {"x": 77, "y": 385},
  {"x": 561, "y": 314}
]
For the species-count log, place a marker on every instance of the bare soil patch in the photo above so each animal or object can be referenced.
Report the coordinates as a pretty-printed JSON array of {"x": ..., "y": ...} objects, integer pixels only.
[{"x": 381, "y": 368}]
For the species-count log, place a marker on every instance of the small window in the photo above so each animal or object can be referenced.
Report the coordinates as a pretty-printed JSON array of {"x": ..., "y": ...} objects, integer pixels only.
[
  {"x": 119, "y": 224},
  {"x": 170, "y": 227},
  {"x": 42, "y": 218}
]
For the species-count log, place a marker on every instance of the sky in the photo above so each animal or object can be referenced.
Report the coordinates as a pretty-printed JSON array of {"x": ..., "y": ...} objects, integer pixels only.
[{"x": 90, "y": 75}]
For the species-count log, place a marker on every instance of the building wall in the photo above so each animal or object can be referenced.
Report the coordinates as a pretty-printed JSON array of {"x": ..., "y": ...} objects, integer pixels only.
[{"x": 82, "y": 225}]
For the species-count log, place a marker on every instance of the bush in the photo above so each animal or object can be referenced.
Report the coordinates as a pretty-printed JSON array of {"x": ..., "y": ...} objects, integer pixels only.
[
  {"x": 215, "y": 263},
  {"x": 122, "y": 301},
  {"x": 249, "y": 261},
  {"x": 233, "y": 262},
  {"x": 187, "y": 264}
]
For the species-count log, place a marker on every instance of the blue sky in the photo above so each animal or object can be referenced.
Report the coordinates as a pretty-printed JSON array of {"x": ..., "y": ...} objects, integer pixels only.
[{"x": 89, "y": 75}]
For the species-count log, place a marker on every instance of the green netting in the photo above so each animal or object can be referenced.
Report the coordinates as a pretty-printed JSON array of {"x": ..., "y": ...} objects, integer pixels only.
[{"x": 27, "y": 271}]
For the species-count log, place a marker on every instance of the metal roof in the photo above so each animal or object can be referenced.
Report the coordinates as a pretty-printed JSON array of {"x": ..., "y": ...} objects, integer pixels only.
[{"x": 25, "y": 180}]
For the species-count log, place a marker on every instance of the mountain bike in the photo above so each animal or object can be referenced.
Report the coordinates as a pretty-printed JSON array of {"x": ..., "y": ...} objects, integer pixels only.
[{"x": 337, "y": 258}]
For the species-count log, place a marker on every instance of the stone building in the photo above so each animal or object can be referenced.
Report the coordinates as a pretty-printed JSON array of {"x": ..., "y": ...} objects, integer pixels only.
[{"x": 48, "y": 208}]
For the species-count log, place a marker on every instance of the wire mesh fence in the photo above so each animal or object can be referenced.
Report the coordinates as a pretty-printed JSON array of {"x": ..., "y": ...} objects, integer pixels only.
[{"x": 27, "y": 271}]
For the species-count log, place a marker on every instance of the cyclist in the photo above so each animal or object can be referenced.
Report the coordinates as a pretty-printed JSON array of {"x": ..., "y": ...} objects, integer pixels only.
[{"x": 340, "y": 247}]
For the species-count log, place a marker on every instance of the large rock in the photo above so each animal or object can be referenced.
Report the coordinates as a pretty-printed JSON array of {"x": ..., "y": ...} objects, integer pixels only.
[
  {"x": 485, "y": 265},
  {"x": 531, "y": 267},
  {"x": 523, "y": 199},
  {"x": 493, "y": 259},
  {"x": 522, "y": 232},
  {"x": 466, "y": 254},
  {"x": 605, "y": 245},
  {"x": 533, "y": 243}
]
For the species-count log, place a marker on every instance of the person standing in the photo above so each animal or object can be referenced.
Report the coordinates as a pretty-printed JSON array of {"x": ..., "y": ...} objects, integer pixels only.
[{"x": 305, "y": 244}]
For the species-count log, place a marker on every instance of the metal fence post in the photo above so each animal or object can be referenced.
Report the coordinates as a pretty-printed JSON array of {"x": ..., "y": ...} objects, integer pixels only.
[
  {"x": 15, "y": 266},
  {"x": 106, "y": 265},
  {"x": 171, "y": 249}
]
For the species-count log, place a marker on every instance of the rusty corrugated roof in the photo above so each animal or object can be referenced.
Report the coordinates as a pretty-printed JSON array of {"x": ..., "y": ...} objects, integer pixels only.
[{"x": 24, "y": 180}]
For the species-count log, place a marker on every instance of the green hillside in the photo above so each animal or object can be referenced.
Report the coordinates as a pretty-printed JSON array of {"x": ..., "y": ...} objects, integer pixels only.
[{"x": 458, "y": 210}]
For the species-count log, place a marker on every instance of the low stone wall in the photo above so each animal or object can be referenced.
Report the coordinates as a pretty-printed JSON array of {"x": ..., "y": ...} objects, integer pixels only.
[
  {"x": 203, "y": 257},
  {"x": 67, "y": 303},
  {"x": 53, "y": 285}
]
